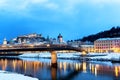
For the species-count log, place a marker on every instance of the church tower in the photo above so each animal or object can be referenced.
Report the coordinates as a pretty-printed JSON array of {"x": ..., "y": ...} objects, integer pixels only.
[
  {"x": 60, "y": 38},
  {"x": 5, "y": 41}
]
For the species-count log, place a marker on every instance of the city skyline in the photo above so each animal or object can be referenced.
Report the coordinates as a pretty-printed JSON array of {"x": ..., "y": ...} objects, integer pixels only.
[{"x": 72, "y": 18}]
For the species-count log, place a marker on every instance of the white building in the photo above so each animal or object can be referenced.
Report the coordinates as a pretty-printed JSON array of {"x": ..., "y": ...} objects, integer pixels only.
[{"x": 30, "y": 38}]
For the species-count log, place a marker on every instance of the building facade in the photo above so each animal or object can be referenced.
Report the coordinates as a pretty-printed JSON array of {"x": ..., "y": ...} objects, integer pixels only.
[
  {"x": 107, "y": 45},
  {"x": 88, "y": 48},
  {"x": 29, "y": 38},
  {"x": 36, "y": 39}
]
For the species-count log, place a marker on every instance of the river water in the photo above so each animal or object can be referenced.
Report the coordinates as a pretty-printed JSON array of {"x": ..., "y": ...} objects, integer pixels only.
[{"x": 66, "y": 69}]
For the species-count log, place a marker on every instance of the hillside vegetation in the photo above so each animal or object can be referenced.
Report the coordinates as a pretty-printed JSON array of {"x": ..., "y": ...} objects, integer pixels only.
[{"x": 112, "y": 33}]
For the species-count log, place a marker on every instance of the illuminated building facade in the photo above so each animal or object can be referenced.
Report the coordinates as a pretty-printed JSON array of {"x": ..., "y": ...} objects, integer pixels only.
[
  {"x": 88, "y": 48},
  {"x": 36, "y": 39},
  {"x": 107, "y": 45},
  {"x": 30, "y": 38}
]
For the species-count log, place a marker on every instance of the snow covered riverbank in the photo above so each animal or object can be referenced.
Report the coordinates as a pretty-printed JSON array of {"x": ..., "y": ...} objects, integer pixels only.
[
  {"x": 4, "y": 75},
  {"x": 48, "y": 55},
  {"x": 89, "y": 56},
  {"x": 102, "y": 57}
]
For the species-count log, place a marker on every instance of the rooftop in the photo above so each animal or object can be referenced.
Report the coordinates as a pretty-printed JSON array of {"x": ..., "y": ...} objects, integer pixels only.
[{"x": 108, "y": 39}]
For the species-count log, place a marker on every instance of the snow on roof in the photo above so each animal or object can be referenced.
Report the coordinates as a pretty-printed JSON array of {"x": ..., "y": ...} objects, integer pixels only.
[
  {"x": 108, "y": 39},
  {"x": 87, "y": 45}
]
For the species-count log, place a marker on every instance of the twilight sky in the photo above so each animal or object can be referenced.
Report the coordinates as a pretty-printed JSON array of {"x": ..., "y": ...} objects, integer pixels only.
[{"x": 72, "y": 18}]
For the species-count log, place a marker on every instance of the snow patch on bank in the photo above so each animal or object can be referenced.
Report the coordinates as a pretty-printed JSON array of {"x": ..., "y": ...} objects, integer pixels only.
[
  {"x": 48, "y": 55},
  {"x": 107, "y": 56},
  {"x": 4, "y": 75},
  {"x": 30, "y": 55},
  {"x": 68, "y": 55},
  {"x": 91, "y": 56}
]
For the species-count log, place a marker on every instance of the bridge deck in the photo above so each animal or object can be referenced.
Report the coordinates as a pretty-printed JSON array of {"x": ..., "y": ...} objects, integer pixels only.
[{"x": 38, "y": 48}]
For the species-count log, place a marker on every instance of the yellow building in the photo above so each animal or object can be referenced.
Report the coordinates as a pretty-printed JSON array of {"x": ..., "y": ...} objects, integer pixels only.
[{"x": 88, "y": 48}]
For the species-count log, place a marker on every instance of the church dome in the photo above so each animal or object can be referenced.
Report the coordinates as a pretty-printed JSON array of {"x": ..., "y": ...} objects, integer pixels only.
[{"x": 60, "y": 36}]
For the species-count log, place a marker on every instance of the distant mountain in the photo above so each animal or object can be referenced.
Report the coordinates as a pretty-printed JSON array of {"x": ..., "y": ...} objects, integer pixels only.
[{"x": 112, "y": 33}]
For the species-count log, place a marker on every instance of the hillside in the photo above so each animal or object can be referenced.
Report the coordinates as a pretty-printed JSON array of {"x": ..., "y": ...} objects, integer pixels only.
[{"x": 112, "y": 33}]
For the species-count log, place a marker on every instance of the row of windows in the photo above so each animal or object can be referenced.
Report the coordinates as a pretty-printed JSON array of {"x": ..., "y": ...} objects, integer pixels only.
[
  {"x": 103, "y": 41},
  {"x": 103, "y": 47},
  {"x": 109, "y": 41},
  {"x": 107, "y": 47},
  {"x": 107, "y": 44},
  {"x": 102, "y": 44}
]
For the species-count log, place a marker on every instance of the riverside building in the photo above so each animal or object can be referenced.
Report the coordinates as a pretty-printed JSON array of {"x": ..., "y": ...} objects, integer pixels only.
[
  {"x": 88, "y": 47},
  {"x": 107, "y": 45}
]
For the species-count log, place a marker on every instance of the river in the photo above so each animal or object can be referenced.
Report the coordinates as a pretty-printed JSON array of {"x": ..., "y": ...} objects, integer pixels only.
[{"x": 66, "y": 70}]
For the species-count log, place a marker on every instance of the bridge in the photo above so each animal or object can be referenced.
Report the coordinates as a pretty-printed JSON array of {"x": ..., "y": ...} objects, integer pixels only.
[
  {"x": 44, "y": 47},
  {"x": 52, "y": 48}
]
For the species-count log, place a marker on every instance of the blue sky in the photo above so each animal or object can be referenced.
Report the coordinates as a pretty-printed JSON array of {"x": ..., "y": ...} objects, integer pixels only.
[{"x": 72, "y": 18}]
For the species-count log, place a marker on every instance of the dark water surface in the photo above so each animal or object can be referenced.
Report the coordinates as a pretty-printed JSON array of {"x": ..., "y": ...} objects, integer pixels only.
[{"x": 66, "y": 69}]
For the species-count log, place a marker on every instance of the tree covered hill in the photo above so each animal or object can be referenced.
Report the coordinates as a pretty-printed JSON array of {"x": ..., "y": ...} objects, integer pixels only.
[{"x": 112, "y": 33}]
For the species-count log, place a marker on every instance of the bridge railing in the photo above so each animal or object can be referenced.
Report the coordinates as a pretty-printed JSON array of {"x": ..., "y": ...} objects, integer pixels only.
[
  {"x": 42, "y": 46},
  {"x": 29, "y": 46}
]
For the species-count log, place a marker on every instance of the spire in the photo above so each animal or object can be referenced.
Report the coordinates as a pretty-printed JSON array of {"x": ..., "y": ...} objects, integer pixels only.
[{"x": 4, "y": 41}]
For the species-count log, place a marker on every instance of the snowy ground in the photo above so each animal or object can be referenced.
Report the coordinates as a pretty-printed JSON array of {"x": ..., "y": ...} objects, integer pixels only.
[
  {"x": 91, "y": 56},
  {"x": 48, "y": 55},
  {"x": 13, "y": 76},
  {"x": 105, "y": 56}
]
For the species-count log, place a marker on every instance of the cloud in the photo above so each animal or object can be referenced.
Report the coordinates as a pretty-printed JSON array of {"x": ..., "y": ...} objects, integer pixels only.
[
  {"x": 65, "y": 14},
  {"x": 67, "y": 5},
  {"x": 33, "y": 9},
  {"x": 62, "y": 6},
  {"x": 43, "y": 3},
  {"x": 24, "y": 6},
  {"x": 25, "y": 3},
  {"x": 55, "y": 9},
  {"x": 104, "y": 1}
]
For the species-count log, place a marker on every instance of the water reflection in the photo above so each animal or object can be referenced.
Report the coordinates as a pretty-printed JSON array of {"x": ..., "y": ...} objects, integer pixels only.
[{"x": 66, "y": 70}]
